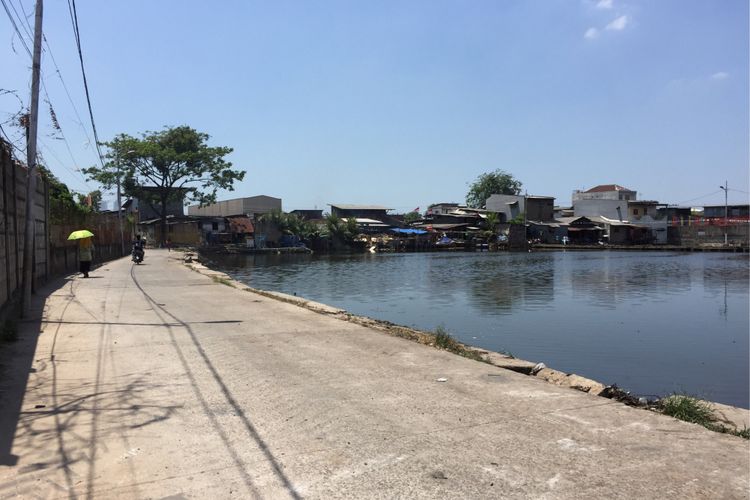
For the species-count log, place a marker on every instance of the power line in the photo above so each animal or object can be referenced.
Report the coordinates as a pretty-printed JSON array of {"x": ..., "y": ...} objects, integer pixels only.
[
  {"x": 10, "y": 141},
  {"x": 74, "y": 19},
  {"x": 699, "y": 197},
  {"x": 44, "y": 86},
  {"x": 59, "y": 75},
  {"x": 15, "y": 27}
]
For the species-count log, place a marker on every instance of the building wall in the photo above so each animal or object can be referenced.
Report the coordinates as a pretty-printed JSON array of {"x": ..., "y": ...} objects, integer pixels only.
[
  {"x": 605, "y": 195},
  {"x": 239, "y": 206},
  {"x": 13, "y": 227},
  {"x": 258, "y": 205},
  {"x": 540, "y": 209},
  {"x": 499, "y": 203},
  {"x": 603, "y": 207},
  {"x": 733, "y": 211}
]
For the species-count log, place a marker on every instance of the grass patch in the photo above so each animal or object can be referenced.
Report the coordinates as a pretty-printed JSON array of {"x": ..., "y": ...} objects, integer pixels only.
[
  {"x": 223, "y": 281},
  {"x": 699, "y": 412},
  {"x": 444, "y": 340},
  {"x": 8, "y": 331},
  {"x": 688, "y": 408}
]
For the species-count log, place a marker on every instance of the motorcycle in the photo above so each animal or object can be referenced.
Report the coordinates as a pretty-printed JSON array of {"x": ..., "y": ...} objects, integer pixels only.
[{"x": 138, "y": 255}]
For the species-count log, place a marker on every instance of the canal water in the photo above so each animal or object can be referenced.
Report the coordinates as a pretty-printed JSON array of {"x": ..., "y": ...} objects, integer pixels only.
[{"x": 652, "y": 323}]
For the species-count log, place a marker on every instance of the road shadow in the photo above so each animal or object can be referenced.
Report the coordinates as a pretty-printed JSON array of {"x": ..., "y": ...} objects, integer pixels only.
[{"x": 16, "y": 361}]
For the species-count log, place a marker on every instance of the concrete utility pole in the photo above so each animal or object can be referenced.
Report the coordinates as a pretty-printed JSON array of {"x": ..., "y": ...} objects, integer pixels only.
[
  {"x": 28, "y": 245},
  {"x": 119, "y": 210},
  {"x": 725, "y": 187}
]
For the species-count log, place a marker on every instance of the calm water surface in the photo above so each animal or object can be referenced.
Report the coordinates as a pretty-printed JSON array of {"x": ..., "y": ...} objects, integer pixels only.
[{"x": 653, "y": 323}]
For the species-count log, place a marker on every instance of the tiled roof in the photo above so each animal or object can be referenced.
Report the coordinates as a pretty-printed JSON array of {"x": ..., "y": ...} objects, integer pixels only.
[{"x": 602, "y": 188}]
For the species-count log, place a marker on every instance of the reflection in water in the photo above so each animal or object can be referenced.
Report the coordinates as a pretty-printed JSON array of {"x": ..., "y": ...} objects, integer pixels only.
[{"x": 654, "y": 323}]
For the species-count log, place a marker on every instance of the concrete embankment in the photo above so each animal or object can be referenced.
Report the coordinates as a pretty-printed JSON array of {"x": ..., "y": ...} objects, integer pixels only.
[
  {"x": 155, "y": 381},
  {"x": 727, "y": 418}
]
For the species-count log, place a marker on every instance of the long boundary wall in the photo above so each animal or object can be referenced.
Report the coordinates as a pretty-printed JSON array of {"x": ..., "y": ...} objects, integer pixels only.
[{"x": 13, "y": 225}]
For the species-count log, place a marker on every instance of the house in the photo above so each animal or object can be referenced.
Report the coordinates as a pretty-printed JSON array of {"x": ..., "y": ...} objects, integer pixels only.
[
  {"x": 241, "y": 228},
  {"x": 536, "y": 208},
  {"x": 252, "y": 206},
  {"x": 605, "y": 192},
  {"x": 441, "y": 208},
  {"x": 580, "y": 230},
  {"x": 181, "y": 230}
]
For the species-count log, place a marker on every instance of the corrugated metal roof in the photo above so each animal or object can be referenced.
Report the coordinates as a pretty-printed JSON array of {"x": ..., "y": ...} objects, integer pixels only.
[{"x": 241, "y": 225}]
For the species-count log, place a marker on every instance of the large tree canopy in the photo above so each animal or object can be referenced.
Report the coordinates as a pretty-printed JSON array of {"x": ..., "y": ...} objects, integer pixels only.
[
  {"x": 487, "y": 184},
  {"x": 165, "y": 166}
]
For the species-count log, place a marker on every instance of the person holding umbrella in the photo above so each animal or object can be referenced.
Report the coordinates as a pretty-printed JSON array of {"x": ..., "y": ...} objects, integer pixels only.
[{"x": 85, "y": 249}]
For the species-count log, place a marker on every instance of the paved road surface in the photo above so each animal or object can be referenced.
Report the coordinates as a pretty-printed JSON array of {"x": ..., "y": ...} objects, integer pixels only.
[{"x": 155, "y": 381}]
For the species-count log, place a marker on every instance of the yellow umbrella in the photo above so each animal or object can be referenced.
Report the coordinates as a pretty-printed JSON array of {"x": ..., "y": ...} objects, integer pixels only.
[{"x": 80, "y": 234}]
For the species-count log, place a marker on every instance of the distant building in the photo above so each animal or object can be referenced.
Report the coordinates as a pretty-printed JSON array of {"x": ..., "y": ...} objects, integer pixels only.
[
  {"x": 605, "y": 192},
  {"x": 376, "y": 212},
  {"x": 252, "y": 206},
  {"x": 308, "y": 214},
  {"x": 441, "y": 208},
  {"x": 149, "y": 207},
  {"x": 712, "y": 211},
  {"x": 536, "y": 208}
]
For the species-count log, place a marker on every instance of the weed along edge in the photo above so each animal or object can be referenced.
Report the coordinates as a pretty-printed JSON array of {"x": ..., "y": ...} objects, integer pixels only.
[{"x": 716, "y": 417}]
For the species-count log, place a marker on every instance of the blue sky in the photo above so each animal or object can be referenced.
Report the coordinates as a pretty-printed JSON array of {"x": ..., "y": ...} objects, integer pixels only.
[{"x": 404, "y": 103}]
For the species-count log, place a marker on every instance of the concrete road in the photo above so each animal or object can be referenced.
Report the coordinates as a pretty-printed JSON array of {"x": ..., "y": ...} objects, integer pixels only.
[{"x": 155, "y": 381}]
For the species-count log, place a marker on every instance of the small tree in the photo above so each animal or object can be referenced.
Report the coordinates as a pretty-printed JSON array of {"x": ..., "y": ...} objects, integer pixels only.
[
  {"x": 166, "y": 166},
  {"x": 412, "y": 217},
  {"x": 487, "y": 184},
  {"x": 491, "y": 220}
]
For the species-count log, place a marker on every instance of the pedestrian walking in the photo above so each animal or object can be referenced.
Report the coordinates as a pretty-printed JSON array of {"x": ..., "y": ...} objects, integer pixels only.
[{"x": 85, "y": 255}]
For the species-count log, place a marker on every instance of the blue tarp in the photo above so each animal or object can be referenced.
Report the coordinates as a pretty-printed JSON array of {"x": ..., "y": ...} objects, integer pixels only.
[{"x": 408, "y": 231}]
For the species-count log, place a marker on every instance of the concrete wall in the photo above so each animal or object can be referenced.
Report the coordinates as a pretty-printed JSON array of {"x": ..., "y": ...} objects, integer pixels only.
[
  {"x": 604, "y": 195},
  {"x": 500, "y": 203},
  {"x": 540, "y": 209},
  {"x": 605, "y": 208},
  {"x": 706, "y": 234},
  {"x": 13, "y": 226}
]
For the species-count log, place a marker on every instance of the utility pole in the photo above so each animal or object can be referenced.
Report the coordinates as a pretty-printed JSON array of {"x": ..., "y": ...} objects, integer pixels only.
[
  {"x": 726, "y": 210},
  {"x": 119, "y": 210},
  {"x": 28, "y": 245}
]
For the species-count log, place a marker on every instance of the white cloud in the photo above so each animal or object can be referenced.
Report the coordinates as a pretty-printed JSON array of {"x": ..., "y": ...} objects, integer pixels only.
[
  {"x": 591, "y": 33},
  {"x": 604, "y": 4},
  {"x": 721, "y": 75},
  {"x": 618, "y": 24}
]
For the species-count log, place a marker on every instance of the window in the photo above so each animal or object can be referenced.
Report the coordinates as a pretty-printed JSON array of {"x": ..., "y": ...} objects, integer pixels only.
[
  {"x": 635, "y": 211},
  {"x": 215, "y": 226}
]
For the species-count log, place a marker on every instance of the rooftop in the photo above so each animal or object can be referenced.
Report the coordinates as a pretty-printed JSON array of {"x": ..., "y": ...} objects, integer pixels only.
[{"x": 603, "y": 188}]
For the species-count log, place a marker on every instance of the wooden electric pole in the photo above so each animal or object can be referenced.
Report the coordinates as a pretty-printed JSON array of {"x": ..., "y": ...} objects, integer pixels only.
[{"x": 28, "y": 245}]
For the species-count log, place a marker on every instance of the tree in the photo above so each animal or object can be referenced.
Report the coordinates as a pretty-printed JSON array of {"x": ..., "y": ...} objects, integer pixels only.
[
  {"x": 487, "y": 184},
  {"x": 160, "y": 167},
  {"x": 491, "y": 221},
  {"x": 90, "y": 202},
  {"x": 62, "y": 203},
  {"x": 412, "y": 217},
  {"x": 341, "y": 231}
]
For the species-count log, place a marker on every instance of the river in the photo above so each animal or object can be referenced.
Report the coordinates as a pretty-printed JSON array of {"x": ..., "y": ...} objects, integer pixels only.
[{"x": 654, "y": 323}]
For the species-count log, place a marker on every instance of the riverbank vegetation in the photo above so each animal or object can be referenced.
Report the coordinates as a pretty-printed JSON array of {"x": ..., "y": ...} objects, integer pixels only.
[{"x": 696, "y": 411}]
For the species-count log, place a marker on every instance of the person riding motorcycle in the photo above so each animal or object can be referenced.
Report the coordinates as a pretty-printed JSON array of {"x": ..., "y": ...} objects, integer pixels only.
[{"x": 138, "y": 251}]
